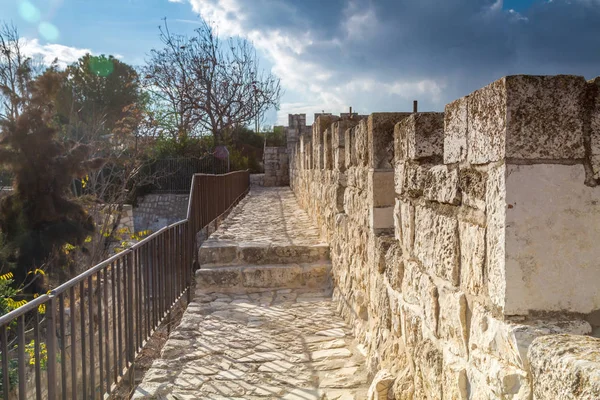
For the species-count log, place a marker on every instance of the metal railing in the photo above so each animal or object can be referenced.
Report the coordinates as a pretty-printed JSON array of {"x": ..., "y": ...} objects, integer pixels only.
[
  {"x": 173, "y": 175},
  {"x": 81, "y": 339}
]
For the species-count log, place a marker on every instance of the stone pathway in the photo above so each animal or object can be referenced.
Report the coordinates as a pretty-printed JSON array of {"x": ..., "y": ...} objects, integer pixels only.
[
  {"x": 262, "y": 324},
  {"x": 284, "y": 344},
  {"x": 267, "y": 216}
]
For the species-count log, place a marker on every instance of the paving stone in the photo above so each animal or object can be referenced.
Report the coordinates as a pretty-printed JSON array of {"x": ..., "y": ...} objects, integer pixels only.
[{"x": 308, "y": 355}]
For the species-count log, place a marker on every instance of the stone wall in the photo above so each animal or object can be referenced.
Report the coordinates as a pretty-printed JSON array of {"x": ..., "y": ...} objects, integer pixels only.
[
  {"x": 155, "y": 211},
  {"x": 460, "y": 238},
  {"x": 277, "y": 171}
]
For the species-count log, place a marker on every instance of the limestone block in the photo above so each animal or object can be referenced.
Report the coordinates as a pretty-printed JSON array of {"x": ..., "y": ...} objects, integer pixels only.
[
  {"x": 381, "y": 218},
  {"x": 472, "y": 257},
  {"x": 510, "y": 341},
  {"x": 429, "y": 302},
  {"x": 441, "y": 184},
  {"x": 381, "y": 384},
  {"x": 414, "y": 179},
  {"x": 486, "y": 129},
  {"x": 565, "y": 367},
  {"x": 404, "y": 387},
  {"x": 381, "y": 188},
  {"x": 472, "y": 185},
  {"x": 455, "y": 131},
  {"x": 411, "y": 282},
  {"x": 495, "y": 199},
  {"x": 455, "y": 382},
  {"x": 491, "y": 378},
  {"x": 529, "y": 117},
  {"x": 380, "y": 128},
  {"x": 552, "y": 231},
  {"x": 407, "y": 220},
  {"x": 412, "y": 330},
  {"x": 360, "y": 152},
  {"x": 452, "y": 327},
  {"x": 327, "y": 150},
  {"x": 594, "y": 90},
  {"x": 349, "y": 147},
  {"x": 397, "y": 220},
  {"x": 399, "y": 177},
  {"x": 429, "y": 367},
  {"x": 419, "y": 136},
  {"x": 436, "y": 243}
]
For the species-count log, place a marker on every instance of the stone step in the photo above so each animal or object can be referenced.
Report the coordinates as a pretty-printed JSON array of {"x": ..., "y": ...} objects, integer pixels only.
[
  {"x": 232, "y": 255},
  {"x": 248, "y": 277}
]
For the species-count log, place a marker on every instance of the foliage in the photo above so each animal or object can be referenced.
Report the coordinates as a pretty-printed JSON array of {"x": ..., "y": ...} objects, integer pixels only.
[
  {"x": 100, "y": 97},
  {"x": 276, "y": 137},
  {"x": 166, "y": 147},
  {"x": 39, "y": 217},
  {"x": 209, "y": 85}
]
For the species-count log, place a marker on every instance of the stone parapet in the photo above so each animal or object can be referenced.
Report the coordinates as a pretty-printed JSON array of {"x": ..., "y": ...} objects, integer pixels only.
[{"x": 458, "y": 238}]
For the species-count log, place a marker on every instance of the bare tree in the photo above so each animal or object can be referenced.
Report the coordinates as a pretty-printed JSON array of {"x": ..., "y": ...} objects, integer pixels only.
[
  {"x": 209, "y": 84},
  {"x": 16, "y": 71}
]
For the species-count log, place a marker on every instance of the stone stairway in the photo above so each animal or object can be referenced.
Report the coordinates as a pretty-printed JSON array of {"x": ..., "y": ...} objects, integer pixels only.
[
  {"x": 262, "y": 324},
  {"x": 275, "y": 256}
]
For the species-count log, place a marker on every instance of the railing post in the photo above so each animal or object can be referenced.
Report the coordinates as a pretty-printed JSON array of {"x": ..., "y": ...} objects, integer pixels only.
[
  {"x": 51, "y": 346},
  {"x": 131, "y": 308}
]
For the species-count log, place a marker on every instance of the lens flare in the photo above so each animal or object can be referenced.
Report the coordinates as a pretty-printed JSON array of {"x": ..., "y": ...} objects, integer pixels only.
[
  {"x": 29, "y": 12},
  {"x": 48, "y": 31},
  {"x": 101, "y": 66}
]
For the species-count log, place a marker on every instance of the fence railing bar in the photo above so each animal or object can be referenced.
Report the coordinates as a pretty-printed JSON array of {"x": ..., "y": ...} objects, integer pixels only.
[{"x": 129, "y": 296}]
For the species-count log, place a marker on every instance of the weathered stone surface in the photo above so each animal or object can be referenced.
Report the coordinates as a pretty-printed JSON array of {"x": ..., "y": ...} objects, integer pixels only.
[
  {"x": 472, "y": 257},
  {"x": 453, "y": 322},
  {"x": 229, "y": 354},
  {"x": 380, "y": 386},
  {"x": 381, "y": 188},
  {"x": 472, "y": 185},
  {"x": 276, "y": 163},
  {"x": 429, "y": 302},
  {"x": 455, "y": 131},
  {"x": 594, "y": 110},
  {"x": 429, "y": 366},
  {"x": 441, "y": 185},
  {"x": 510, "y": 341},
  {"x": 411, "y": 282},
  {"x": 529, "y": 117},
  {"x": 565, "y": 367},
  {"x": 419, "y": 136},
  {"x": 495, "y": 199},
  {"x": 455, "y": 382},
  {"x": 380, "y": 127},
  {"x": 394, "y": 263},
  {"x": 486, "y": 130},
  {"x": 491, "y": 378},
  {"x": 436, "y": 243},
  {"x": 413, "y": 179},
  {"x": 360, "y": 152}
]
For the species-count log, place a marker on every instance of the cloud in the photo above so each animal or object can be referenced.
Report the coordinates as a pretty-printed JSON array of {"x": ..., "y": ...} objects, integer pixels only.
[
  {"x": 379, "y": 55},
  {"x": 49, "y": 52}
]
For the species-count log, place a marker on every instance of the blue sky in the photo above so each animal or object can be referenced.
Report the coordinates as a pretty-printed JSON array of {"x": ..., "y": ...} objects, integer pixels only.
[{"x": 374, "y": 55}]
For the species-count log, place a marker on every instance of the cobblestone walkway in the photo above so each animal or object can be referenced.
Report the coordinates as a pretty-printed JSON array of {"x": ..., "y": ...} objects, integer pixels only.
[
  {"x": 267, "y": 216},
  {"x": 260, "y": 343}
]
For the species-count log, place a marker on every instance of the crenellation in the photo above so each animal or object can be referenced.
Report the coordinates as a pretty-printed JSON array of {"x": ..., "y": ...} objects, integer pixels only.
[{"x": 461, "y": 238}]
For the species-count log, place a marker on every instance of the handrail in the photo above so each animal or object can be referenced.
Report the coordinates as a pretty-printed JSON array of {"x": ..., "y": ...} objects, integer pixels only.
[{"x": 114, "y": 307}]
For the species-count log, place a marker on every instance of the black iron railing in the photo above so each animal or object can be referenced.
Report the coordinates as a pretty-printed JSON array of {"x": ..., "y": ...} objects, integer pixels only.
[
  {"x": 81, "y": 339},
  {"x": 173, "y": 175}
]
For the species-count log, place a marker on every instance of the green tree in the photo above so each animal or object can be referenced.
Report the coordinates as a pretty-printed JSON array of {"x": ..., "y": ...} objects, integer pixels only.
[
  {"x": 99, "y": 93},
  {"x": 39, "y": 217}
]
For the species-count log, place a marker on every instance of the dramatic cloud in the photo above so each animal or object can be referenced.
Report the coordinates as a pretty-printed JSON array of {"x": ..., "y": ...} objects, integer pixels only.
[
  {"x": 379, "y": 55},
  {"x": 47, "y": 53}
]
